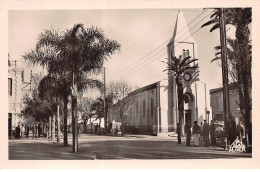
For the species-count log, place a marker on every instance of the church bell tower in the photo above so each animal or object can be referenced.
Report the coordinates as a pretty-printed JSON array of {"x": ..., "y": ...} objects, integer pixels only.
[{"x": 181, "y": 44}]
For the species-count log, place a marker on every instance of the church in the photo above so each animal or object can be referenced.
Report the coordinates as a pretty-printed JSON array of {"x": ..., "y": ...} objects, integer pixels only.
[{"x": 153, "y": 108}]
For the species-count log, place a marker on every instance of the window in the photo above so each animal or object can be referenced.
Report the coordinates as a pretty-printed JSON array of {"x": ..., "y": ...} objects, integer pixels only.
[{"x": 10, "y": 86}]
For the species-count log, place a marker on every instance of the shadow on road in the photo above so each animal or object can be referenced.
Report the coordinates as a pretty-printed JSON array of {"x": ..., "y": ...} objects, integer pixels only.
[{"x": 131, "y": 147}]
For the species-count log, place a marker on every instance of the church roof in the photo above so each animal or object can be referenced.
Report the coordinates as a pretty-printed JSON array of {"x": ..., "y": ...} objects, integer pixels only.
[{"x": 181, "y": 31}]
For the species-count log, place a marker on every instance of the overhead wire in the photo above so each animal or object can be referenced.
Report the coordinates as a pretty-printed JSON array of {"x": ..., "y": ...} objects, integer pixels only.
[
  {"x": 131, "y": 72},
  {"x": 158, "y": 56},
  {"x": 144, "y": 57}
]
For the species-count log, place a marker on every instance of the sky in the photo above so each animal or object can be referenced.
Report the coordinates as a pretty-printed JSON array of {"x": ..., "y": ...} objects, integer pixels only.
[{"x": 142, "y": 33}]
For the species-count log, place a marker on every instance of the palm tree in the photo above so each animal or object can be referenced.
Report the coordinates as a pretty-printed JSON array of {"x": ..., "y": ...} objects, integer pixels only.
[
  {"x": 179, "y": 66},
  {"x": 240, "y": 18},
  {"x": 86, "y": 51},
  {"x": 76, "y": 54},
  {"x": 233, "y": 56}
]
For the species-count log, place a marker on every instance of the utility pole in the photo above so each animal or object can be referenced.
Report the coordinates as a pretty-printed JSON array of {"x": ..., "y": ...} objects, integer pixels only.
[
  {"x": 74, "y": 116},
  {"x": 224, "y": 64},
  {"x": 206, "y": 109},
  {"x": 105, "y": 113}
]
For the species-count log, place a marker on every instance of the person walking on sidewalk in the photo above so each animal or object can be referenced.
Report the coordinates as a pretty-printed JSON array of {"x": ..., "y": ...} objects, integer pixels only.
[
  {"x": 212, "y": 133},
  {"x": 22, "y": 131},
  {"x": 206, "y": 133},
  {"x": 188, "y": 133},
  {"x": 179, "y": 133},
  {"x": 27, "y": 129},
  {"x": 17, "y": 132},
  {"x": 196, "y": 134},
  {"x": 39, "y": 130}
]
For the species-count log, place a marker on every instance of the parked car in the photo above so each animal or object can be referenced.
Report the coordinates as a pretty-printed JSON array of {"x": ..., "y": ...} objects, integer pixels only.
[{"x": 131, "y": 129}]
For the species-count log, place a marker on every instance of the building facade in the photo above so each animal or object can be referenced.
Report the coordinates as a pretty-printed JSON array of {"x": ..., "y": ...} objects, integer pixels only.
[
  {"x": 216, "y": 103},
  {"x": 142, "y": 109},
  {"x": 14, "y": 96}
]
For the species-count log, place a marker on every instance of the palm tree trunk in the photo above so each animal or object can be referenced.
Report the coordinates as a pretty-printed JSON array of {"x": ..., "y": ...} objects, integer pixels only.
[
  {"x": 65, "y": 137},
  {"x": 58, "y": 124},
  {"x": 247, "y": 108},
  {"x": 180, "y": 106},
  {"x": 53, "y": 128},
  {"x": 74, "y": 125},
  {"x": 49, "y": 132},
  {"x": 244, "y": 91}
]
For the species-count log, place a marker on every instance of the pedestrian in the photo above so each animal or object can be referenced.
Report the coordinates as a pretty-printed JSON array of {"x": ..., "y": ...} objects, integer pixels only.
[
  {"x": 79, "y": 130},
  {"x": 27, "y": 129},
  {"x": 196, "y": 134},
  {"x": 239, "y": 131},
  {"x": 212, "y": 133},
  {"x": 179, "y": 133},
  {"x": 22, "y": 131},
  {"x": 188, "y": 133},
  {"x": 17, "y": 132},
  {"x": 206, "y": 133},
  {"x": 233, "y": 132},
  {"x": 39, "y": 130},
  {"x": 34, "y": 131}
]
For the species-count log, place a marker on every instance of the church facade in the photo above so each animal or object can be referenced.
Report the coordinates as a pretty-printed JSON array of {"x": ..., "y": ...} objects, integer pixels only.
[{"x": 154, "y": 109}]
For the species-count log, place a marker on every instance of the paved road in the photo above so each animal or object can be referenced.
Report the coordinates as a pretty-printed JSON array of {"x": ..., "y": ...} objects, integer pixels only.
[{"x": 114, "y": 147}]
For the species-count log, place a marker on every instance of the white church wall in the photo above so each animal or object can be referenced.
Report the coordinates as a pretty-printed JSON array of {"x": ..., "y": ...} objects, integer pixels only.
[
  {"x": 164, "y": 106},
  {"x": 201, "y": 102}
]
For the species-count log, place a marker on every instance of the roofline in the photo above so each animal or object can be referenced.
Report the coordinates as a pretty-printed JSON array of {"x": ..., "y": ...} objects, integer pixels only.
[
  {"x": 231, "y": 86},
  {"x": 144, "y": 88},
  {"x": 139, "y": 90}
]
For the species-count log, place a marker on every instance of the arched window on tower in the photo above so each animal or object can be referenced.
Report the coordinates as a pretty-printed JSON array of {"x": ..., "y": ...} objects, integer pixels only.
[
  {"x": 183, "y": 53},
  {"x": 187, "y": 53}
]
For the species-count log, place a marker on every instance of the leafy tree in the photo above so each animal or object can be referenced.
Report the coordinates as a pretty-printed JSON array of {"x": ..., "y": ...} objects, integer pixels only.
[
  {"x": 98, "y": 109},
  {"x": 33, "y": 105},
  {"x": 119, "y": 93},
  {"x": 49, "y": 90},
  {"x": 85, "y": 109}
]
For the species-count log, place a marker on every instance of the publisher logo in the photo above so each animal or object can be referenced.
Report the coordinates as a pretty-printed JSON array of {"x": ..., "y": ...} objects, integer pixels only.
[{"x": 237, "y": 146}]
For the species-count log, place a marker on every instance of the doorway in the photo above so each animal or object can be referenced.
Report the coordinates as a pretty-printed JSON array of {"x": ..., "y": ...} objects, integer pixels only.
[{"x": 188, "y": 116}]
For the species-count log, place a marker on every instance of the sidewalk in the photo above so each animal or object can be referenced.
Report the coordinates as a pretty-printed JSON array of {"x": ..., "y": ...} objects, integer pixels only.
[{"x": 42, "y": 149}]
